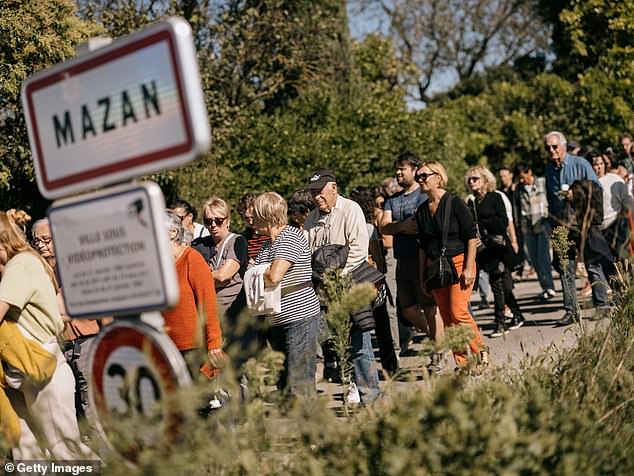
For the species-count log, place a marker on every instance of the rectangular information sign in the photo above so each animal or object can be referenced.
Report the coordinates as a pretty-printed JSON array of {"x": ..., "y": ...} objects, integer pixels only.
[
  {"x": 131, "y": 108},
  {"x": 113, "y": 253}
]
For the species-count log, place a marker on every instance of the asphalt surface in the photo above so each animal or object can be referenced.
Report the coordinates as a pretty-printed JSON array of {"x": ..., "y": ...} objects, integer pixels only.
[{"x": 538, "y": 335}]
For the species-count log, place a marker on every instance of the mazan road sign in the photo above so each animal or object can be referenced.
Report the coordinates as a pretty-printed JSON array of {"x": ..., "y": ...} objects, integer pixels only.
[
  {"x": 113, "y": 253},
  {"x": 131, "y": 108}
]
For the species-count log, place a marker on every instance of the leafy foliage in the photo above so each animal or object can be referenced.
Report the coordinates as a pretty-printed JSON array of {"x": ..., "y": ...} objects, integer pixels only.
[{"x": 33, "y": 35}]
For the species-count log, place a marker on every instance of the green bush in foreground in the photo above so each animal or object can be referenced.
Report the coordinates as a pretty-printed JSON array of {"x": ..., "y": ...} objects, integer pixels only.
[{"x": 566, "y": 413}]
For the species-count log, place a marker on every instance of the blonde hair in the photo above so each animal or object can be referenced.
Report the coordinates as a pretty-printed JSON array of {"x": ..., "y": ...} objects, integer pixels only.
[
  {"x": 270, "y": 208},
  {"x": 217, "y": 203},
  {"x": 438, "y": 168},
  {"x": 13, "y": 241},
  {"x": 487, "y": 177},
  {"x": 19, "y": 218}
]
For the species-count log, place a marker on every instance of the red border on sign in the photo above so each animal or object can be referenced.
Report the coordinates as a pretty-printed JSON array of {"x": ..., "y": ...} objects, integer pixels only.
[
  {"x": 125, "y": 163},
  {"x": 127, "y": 336}
]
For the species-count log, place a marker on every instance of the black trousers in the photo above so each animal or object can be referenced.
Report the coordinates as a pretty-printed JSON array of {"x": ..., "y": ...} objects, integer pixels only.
[
  {"x": 384, "y": 339},
  {"x": 502, "y": 288}
]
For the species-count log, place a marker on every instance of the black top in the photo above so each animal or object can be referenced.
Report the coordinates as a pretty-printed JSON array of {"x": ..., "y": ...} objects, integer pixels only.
[
  {"x": 461, "y": 227},
  {"x": 491, "y": 214},
  {"x": 492, "y": 220}
]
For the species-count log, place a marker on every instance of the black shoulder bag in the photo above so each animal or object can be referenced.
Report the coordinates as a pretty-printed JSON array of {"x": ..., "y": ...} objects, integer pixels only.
[{"x": 441, "y": 272}]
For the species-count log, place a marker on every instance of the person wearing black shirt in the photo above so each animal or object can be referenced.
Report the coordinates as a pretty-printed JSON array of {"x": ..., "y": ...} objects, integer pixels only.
[
  {"x": 452, "y": 300},
  {"x": 492, "y": 221}
]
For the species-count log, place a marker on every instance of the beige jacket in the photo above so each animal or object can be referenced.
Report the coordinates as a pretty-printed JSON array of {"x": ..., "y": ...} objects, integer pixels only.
[{"x": 344, "y": 225}]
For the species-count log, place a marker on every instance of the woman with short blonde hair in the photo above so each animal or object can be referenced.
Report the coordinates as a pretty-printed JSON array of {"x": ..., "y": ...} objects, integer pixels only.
[
  {"x": 293, "y": 331},
  {"x": 226, "y": 254},
  {"x": 443, "y": 211},
  {"x": 439, "y": 169},
  {"x": 271, "y": 208}
]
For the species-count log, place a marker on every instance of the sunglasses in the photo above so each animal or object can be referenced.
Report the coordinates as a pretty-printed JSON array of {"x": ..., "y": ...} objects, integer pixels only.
[
  {"x": 473, "y": 179},
  {"x": 550, "y": 147},
  {"x": 212, "y": 221},
  {"x": 424, "y": 176},
  {"x": 182, "y": 217},
  {"x": 45, "y": 240}
]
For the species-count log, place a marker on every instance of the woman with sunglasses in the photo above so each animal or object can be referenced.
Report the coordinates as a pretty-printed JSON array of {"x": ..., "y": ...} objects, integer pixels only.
[
  {"x": 492, "y": 220},
  {"x": 452, "y": 300},
  {"x": 226, "y": 254}
]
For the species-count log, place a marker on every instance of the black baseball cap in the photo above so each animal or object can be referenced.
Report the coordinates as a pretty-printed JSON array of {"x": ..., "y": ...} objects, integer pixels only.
[{"x": 318, "y": 180}]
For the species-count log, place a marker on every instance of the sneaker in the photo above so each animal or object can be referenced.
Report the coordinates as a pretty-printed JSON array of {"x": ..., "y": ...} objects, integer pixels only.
[
  {"x": 545, "y": 296},
  {"x": 484, "y": 304},
  {"x": 551, "y": 292},
  {"x": 516, "y": 323},
  {"x": 499, "y": 331},
  {"x": 507, "y": 312},
  {"x": 353, "y": 394}
]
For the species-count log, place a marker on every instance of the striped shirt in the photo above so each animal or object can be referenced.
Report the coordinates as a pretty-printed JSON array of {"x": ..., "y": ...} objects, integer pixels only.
[{"x": 291, "y": 245}]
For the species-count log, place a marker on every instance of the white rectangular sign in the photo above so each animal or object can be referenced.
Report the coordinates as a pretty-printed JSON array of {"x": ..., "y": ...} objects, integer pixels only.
[
  {"x": 113, "y": 253},
  {"x": 130, "y": 108}
]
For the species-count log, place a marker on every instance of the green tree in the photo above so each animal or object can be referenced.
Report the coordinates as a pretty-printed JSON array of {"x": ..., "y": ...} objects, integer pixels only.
[
  {"x": 33, "y": 35},
  {"x": 591, "y": 33}
]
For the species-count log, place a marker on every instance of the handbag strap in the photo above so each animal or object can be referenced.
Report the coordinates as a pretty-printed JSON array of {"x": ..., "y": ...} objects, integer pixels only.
[
  {"x": 225, "y": 242},
  {"x": 445, "y": 224},
  {"x": 474, "y": 206}
]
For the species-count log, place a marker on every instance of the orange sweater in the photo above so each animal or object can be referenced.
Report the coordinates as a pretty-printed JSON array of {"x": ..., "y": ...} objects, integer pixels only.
[{"x": 196, "y": 291}]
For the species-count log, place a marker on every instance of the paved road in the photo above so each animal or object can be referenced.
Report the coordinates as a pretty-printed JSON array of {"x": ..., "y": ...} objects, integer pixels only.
[{"x": 535, "y": 336}]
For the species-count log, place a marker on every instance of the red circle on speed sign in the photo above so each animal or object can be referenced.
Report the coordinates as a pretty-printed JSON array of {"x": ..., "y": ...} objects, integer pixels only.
[{"x": 134, "y": 370}]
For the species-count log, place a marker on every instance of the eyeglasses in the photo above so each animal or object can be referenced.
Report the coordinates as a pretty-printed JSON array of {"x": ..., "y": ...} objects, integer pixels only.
[
  {"x": 550, "y": 147},
  {"x": 45, "y": 240},
  {"x": 211, "y": 221},
  {"x": 182, "y": 217},
  {"x": 424, "y": 176},
  {"x": 473, "y": 179}
]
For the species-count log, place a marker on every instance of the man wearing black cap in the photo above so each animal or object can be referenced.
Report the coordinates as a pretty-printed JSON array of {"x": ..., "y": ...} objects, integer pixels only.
[{"x": 338, "y": 220}]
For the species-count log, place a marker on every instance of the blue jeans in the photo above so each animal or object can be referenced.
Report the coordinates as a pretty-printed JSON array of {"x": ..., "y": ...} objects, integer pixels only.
[
  {"x": 484, "y": 285},
  {"x": 539, "y": 252},
  {"x": 597, "y": 276},
  {"x": 569, "y": 287},
  {"x": 298, "y": 342},
  {"x": 365, "y": 372}
]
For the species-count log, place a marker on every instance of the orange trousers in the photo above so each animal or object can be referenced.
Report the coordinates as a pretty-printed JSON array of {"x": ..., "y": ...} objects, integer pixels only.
[{"x": 453, "y": 304}]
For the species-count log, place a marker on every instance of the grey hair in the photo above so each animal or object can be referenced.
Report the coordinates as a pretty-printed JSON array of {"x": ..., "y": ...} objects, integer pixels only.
[
  {"x": 559, "y": 135},
  {"x": 174, "y": 223},
  {"x": 41, "y": 221}
]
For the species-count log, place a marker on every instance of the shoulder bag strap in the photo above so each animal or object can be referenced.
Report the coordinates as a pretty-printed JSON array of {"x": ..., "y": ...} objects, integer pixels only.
[
  {"x": 474, "y": 205},
  {"x": 445, "y": 224},
  {"x": 230, "y": 237}
]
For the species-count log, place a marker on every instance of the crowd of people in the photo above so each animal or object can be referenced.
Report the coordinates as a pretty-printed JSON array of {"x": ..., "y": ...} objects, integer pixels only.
[{"x": 444, "y": 244}]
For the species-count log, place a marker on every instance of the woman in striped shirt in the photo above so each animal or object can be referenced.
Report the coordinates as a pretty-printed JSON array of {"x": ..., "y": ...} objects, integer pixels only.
[{"x": 294, "y": 329}]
